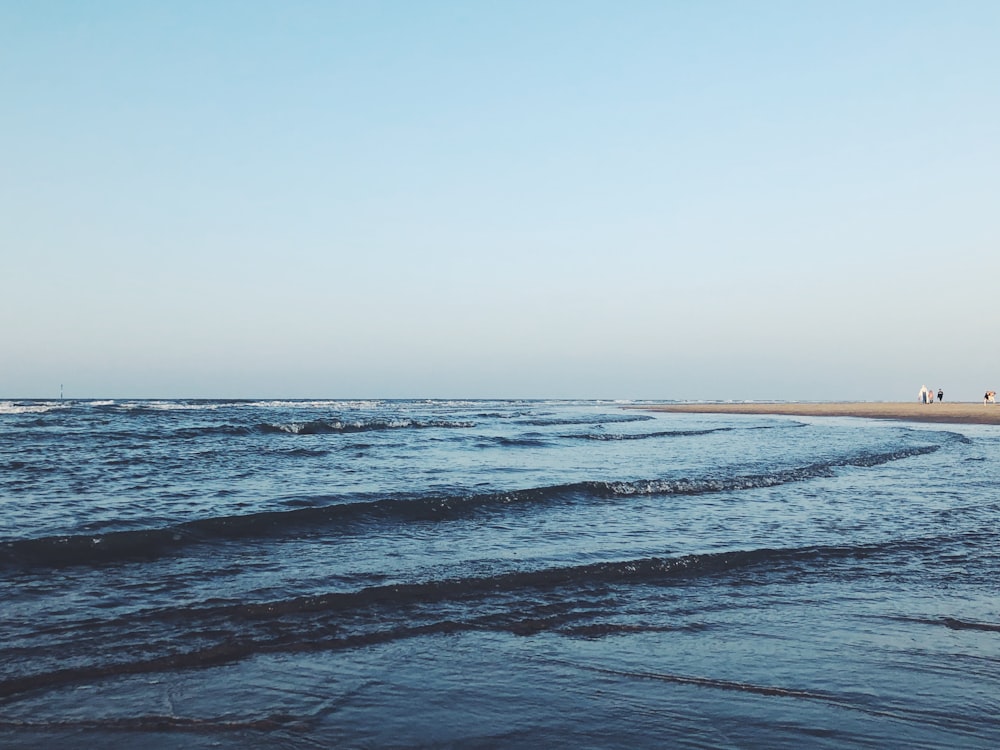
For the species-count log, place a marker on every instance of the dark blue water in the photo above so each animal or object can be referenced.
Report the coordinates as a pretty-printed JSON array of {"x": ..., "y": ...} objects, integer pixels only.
[{"x": 493, "y": 574}]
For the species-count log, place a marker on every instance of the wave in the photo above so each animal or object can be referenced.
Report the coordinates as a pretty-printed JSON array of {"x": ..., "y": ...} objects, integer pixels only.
[
  {"x": 953, "y": 623},
  {"x": 643, "y": 436},
  {"x": 146, "y": 544},
  {"x": 678, "y": 433},
  {"x": 316, "y": 427},
  {"x": 156, "y": 723},
  {"x": 315, "y": 404},
  {"x": 32, "y": 407},
  {"x": 340, "y": 427},
  {"x": 595, "y": 419},
  {"x": 570, "y": 601},
  {"x": 304, "y": 453},
  {"x": 158, "y": 406},
  {"x": 651, "y": 570},
  {"x": 220, "y": 429},
  {"x": 531, "y": 440}
]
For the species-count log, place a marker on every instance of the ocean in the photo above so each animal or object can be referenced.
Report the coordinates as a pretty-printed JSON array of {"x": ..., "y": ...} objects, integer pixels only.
[{"x": 493, "y": 574}]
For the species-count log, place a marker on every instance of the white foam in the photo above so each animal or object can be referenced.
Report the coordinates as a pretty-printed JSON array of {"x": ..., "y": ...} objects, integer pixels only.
[
  {"x": 169, "y": 406},
  {"x": 10, "y": 407},
  {"x": 323, "y": 404}
]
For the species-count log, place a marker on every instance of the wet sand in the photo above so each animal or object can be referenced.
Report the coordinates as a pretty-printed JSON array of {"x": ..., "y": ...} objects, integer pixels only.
[{"x": 954, "y": 412}]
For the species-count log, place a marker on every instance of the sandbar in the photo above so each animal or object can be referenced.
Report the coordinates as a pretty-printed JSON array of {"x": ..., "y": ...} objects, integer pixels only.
[{"x": 946, "y": 412}]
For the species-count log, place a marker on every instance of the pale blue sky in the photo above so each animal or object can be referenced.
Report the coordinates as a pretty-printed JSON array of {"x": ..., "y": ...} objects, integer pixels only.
[{"x": 515, "y": 199}]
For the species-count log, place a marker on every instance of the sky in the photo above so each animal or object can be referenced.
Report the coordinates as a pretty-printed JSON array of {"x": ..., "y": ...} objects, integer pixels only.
[{"x": 522, "y": 199}]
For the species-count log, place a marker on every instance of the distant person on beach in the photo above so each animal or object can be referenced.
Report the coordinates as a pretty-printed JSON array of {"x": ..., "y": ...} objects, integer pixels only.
[
  {"x": 940, "y": 395},
  {"x": 990, "y": 397},
  {"x": 923, "y": 394}
]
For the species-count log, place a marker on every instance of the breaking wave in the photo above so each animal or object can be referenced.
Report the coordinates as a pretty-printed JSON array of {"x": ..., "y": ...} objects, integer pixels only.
[
  {"x": 343, "y": 427},
  {"x": 145, "y": 544},
  {"x": 643, "y": 436}
]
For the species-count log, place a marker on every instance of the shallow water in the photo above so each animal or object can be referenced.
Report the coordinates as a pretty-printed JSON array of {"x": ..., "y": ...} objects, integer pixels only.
[{"x": 482, "y": 574}]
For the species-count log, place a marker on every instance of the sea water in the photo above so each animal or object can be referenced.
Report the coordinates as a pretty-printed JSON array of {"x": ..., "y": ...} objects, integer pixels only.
[{"x": 559, "y": 574}]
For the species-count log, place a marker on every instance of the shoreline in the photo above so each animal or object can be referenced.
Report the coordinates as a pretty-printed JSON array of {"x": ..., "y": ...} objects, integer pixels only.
[{"x": 945, "y": 412}]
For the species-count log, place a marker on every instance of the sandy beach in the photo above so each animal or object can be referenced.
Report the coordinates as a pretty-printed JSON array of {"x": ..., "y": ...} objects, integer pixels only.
[{"x": 954, "y": 413}]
